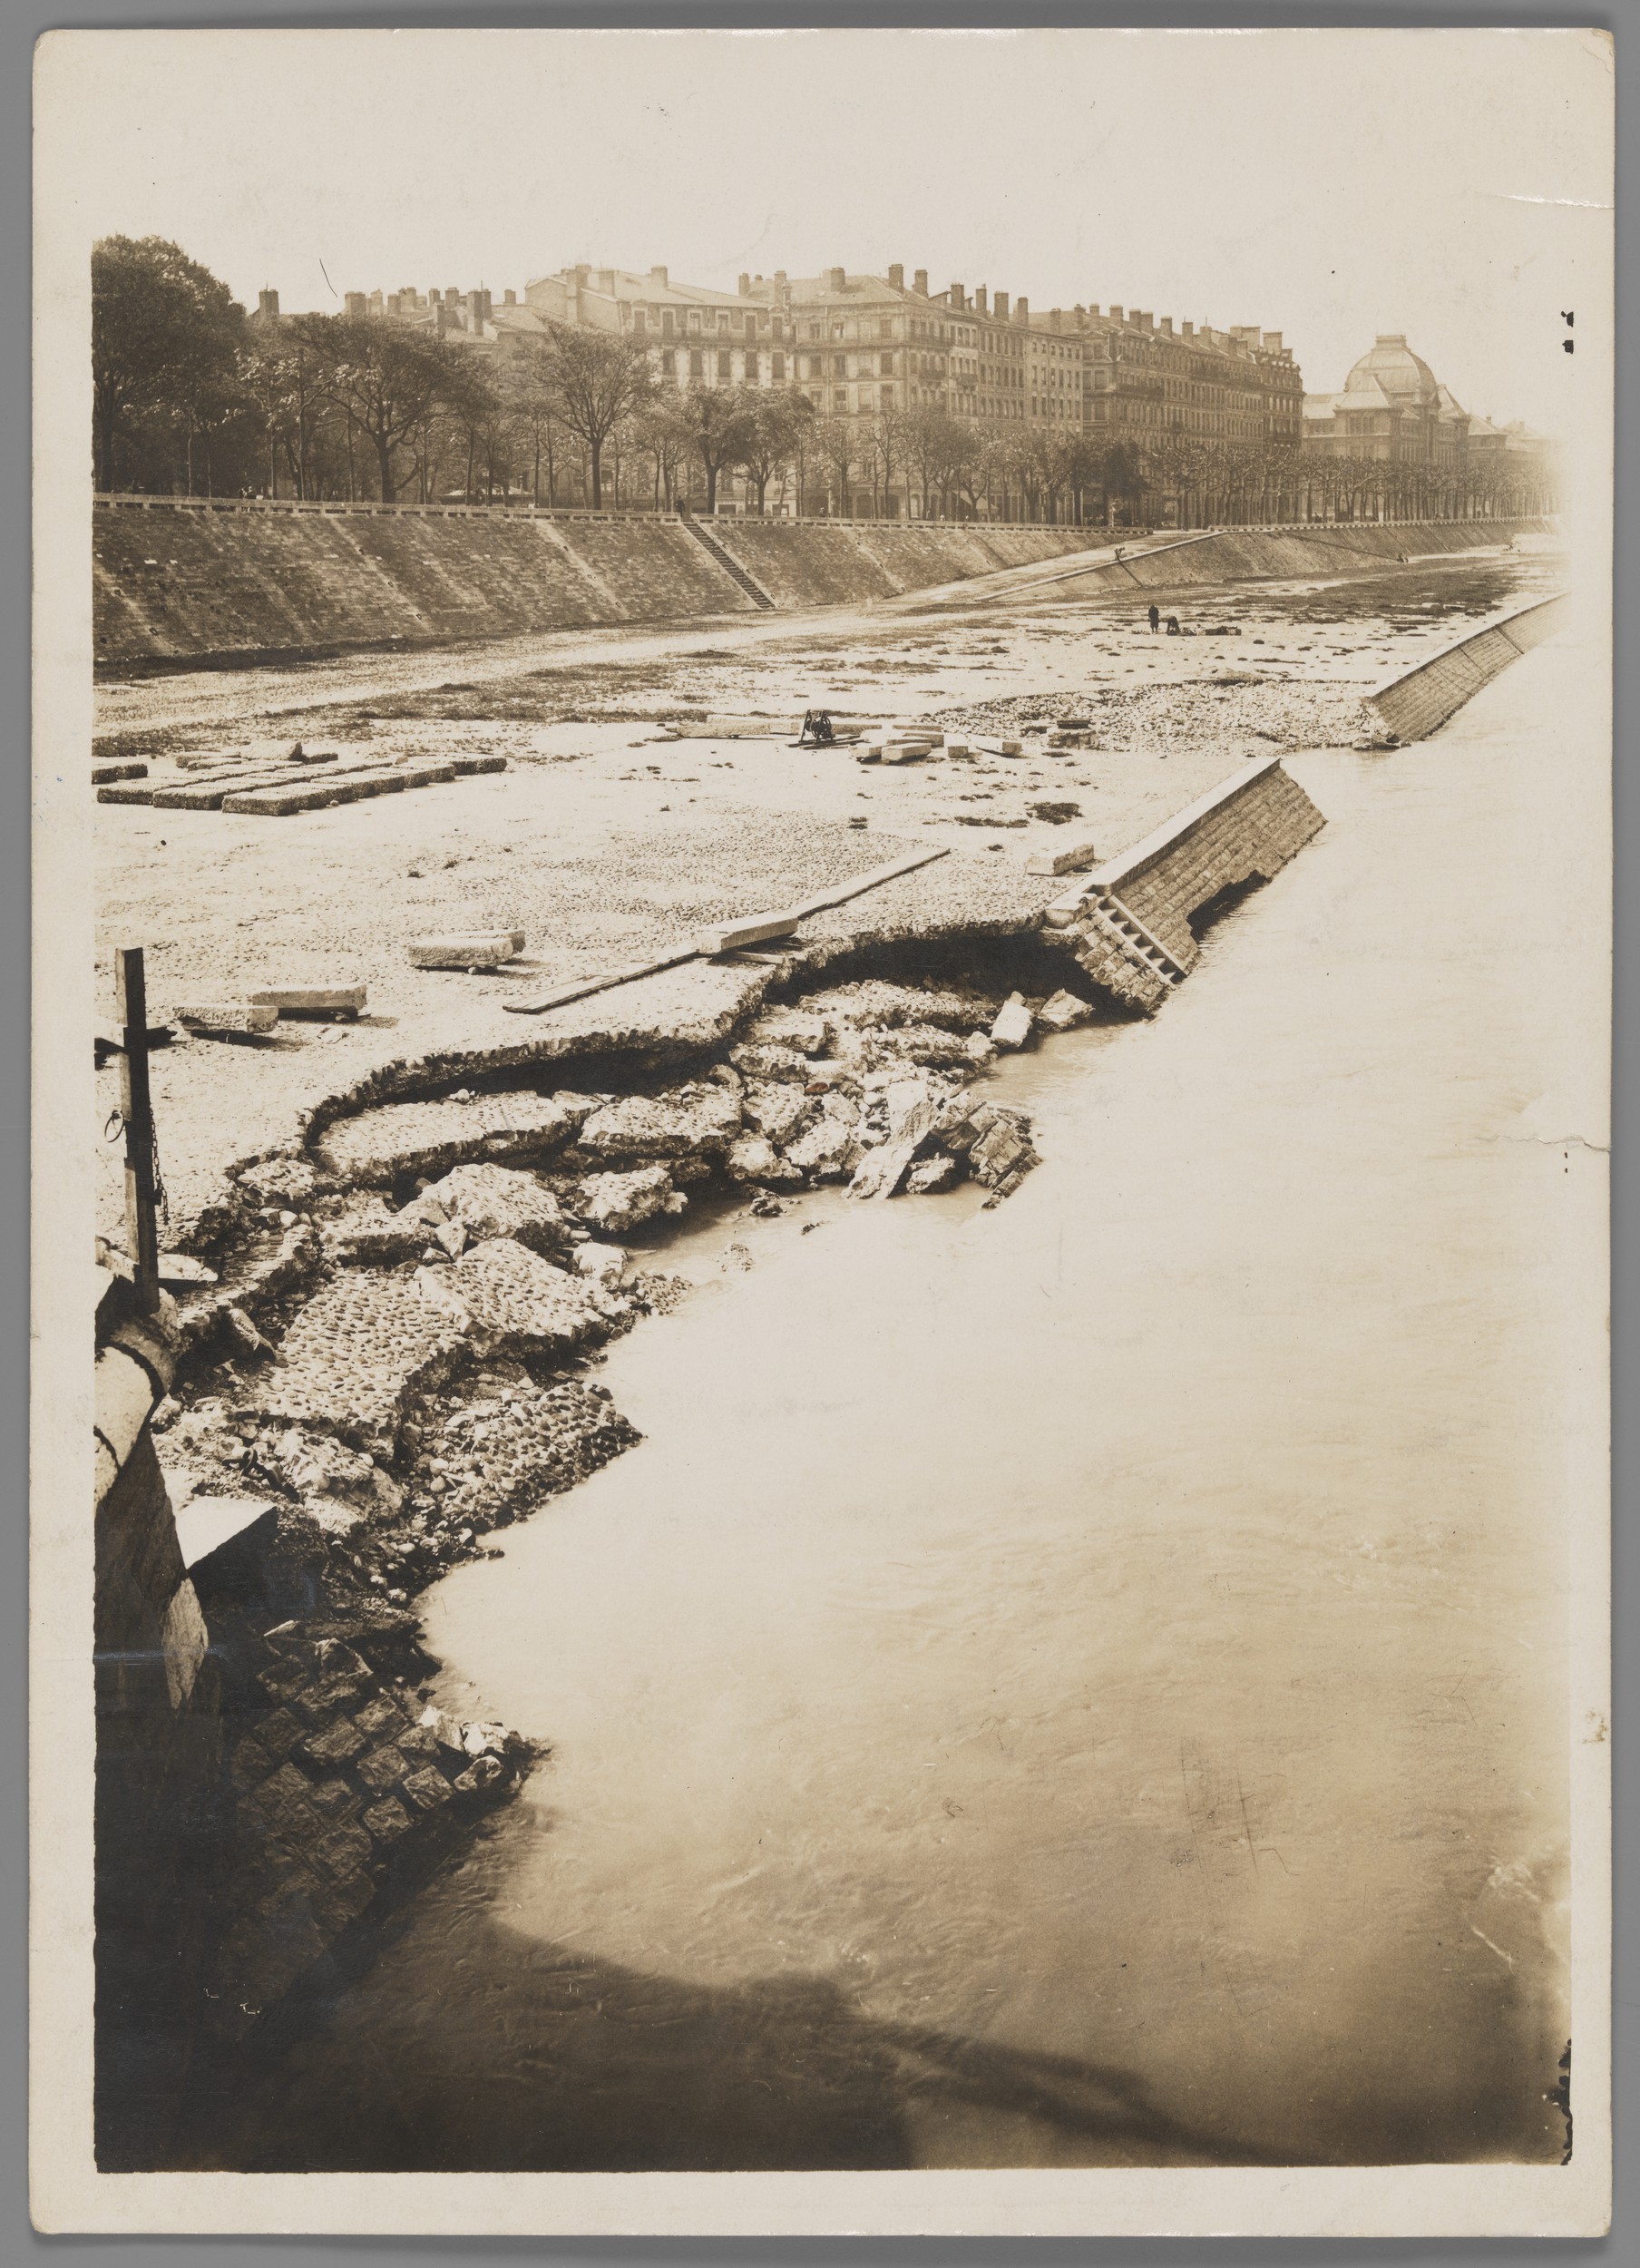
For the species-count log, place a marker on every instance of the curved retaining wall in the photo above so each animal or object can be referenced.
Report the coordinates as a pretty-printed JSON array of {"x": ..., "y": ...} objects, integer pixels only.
[
  {"x": 1251, "y": 554},
  {"x": 1410, "y": 708}
]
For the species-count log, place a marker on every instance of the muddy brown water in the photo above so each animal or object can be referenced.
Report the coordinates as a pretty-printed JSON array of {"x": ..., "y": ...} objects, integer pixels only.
[{"x": 1077, "y": 1684}]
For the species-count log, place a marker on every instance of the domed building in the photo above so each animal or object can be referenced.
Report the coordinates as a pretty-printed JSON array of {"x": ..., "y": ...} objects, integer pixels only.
[{"x": 1392, "y": 407}]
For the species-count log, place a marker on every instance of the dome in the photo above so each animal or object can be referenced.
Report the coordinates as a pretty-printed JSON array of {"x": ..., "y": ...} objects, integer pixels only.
[{"x": 1396, "y": 371}]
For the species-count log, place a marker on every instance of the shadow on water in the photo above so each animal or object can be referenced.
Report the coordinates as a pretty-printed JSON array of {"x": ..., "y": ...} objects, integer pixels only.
[{"x": 532, "y": 2058}]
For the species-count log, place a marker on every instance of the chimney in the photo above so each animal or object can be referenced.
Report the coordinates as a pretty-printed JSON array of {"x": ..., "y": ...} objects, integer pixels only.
[
  {"x": 1145, "y": 322},
  {"x": 896, "y": 277},
  {"x": 394, "y": 303},
  {"x": 1056, "y": 319},
  {"x": 1116, "y": 316},
  {"x": 1021, "y": 310},
  {"x": 1187, "y": 330},
  {"x": 980, "y": 308},
  {"x": 1000, "y": 308},
  {"x": 958, "y": 296},
  {"x": 267, "y": 303},
  {"x": 353, "y": 302},
  {"x": 509, "y": 298},
  {"x": 1167, "y": 325},
  {"x": 779, "y": 274},
  {"x": 1273, "y": 342},
  {"x": 837, "y": 278},
  {"x": 744, "y": 285},
  {"x": 583, "y": 275},
  {"x": 475, "y": 313},
  {"x": 919, "y": 282},
  {"x": 659, "y": 276}
]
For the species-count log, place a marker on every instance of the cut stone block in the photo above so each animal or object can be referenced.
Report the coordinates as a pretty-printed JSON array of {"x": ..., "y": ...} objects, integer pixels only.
[
  {"x": 1013, "y": 1026},
  {"x": 1076, "y": 860},
  {"x": 402, "y": 1138},
  {"x": 103, "y": 775},
  {"x": 232, "y": 1017},
  {"x": 1063, "y": 1012},
  {"x": 311, "y": 1000},
  {"x": 730, "y": 936},
  {"x": 478, "y": 949},
  {"x": 354, "y": 1357},
  {"x": 685, "y": 1122},
  {"x": 125, "y": 791}
]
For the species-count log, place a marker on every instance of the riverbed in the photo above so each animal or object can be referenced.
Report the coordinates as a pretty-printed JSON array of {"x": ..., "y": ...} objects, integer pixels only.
[{"x": 1075, "y": 1684}]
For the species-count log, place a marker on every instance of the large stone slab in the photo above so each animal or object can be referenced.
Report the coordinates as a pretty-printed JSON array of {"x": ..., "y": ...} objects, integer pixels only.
[
  {"x": 353, "y": 1357},
  {"x": 399, "y": 1138},
  {"x": 511, "y": 1297}
]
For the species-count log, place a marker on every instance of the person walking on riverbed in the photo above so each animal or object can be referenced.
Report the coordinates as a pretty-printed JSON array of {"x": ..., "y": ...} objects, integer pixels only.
[{"x": 1155, "y": 619}]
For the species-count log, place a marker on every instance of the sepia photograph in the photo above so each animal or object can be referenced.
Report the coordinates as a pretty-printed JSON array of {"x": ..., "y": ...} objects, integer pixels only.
[{"x": 823, "y": 917}]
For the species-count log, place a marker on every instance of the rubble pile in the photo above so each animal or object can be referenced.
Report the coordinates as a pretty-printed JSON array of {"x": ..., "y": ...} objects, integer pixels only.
[{"x": 1223, "y": 709}]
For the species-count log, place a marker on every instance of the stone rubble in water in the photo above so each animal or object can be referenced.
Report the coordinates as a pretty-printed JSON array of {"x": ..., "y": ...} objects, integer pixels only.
[
  {"x": 1063, "y": 1012},
  {"x": 616, "y": 1203},
  {"x": 1013, "y": 1026},
  {"x": 352, "y": 1357},
  {"x": 509, "y": 1297}
]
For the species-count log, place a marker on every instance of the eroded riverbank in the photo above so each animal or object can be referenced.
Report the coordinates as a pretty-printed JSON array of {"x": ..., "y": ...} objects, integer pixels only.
[{"x": 898, "y": 1811}]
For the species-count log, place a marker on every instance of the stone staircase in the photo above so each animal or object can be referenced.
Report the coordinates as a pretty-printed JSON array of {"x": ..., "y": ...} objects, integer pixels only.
[
  {"x": 753, "y": 589},
  {"x": 1108, "y": 913}
]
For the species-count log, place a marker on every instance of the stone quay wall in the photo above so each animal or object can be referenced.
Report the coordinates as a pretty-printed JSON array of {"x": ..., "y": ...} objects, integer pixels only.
[
  {"x": 1243, "y": 832},
  {"x": 1410, "y": 708},
  {"x": 1255, "y": 554},
  {"x": 174, "y": 581}
]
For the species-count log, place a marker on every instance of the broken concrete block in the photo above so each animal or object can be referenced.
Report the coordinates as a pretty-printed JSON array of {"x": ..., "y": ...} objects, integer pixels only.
[
  {"x": 604, "y": 1263},
  {"x": 490, "y": 1200},
  {"x": 732, "y": 936},
  {"x": 980, "y": 1047},
  {"x": 765, "y": 1061},
  {"x": 510, "y": 1296},
  {"x": 778, "y": 1110},
  {"x": 477, "y": 949},
  {"x": 1013, "y": 1026},
  {"x": 881, "y": 1171},
  {"x": 225, "y": 1019},
  {"x": 352, "y": 1358},
  {"x": 932, "y": 1174},
  {"x": 683, "y": 1122},
  {"x": 341, "y": 1001},
  {"x": 618, "y": 1202},
  {"x": 829, "y": 1151},
  {"x": 754, "y": 1158},
  {"x": 1063, "y": 1012}
]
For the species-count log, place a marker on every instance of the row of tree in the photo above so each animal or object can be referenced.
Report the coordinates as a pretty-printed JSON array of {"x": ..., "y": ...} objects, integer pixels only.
[{"x": 193, "y": 395}]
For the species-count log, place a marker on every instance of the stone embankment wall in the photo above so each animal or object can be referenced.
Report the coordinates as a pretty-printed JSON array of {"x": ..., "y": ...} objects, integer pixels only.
[
  {"x": 172, "y": 582},
  {"x": 1243, "y": 831},
  {"x": 1251, "y": 554},
  {"x": 1411, "y": 707},
  {"x": 158, "y": 1741}
]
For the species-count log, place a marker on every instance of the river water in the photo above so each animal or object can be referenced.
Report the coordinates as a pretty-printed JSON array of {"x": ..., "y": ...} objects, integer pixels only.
[{"x": 1081, "y": 1683}]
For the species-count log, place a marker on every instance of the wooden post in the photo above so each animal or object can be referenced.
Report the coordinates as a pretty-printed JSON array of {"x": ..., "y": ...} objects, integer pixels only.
[{"x": 142, "y": 1221}]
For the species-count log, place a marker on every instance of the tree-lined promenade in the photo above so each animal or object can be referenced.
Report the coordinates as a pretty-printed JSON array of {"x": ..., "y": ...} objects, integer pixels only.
[{"x": 193, "y": 397}]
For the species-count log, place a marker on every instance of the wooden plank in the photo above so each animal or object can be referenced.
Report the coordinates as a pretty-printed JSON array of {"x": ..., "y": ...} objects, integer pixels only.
[
  {"x": 730, "y": 936},
  {"x": 840, "y": 894},
  {"x": 582, "y": 988}
]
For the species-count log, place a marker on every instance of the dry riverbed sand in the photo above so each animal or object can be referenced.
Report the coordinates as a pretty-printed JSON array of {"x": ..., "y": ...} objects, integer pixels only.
[{"x": 607, "y": 841}]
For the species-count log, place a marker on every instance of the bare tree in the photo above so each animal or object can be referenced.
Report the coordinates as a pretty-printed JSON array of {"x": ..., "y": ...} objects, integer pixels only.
[
  {"x": 721, "y": 423},
  {"x": 597, "y": 379},
  {"x": 382, "y": 375},
  {"x": 778, "y": 428}
]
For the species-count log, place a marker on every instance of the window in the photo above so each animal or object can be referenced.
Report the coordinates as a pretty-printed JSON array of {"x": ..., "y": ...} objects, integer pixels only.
[
  {"x": 665, "y": 322},
  {"x": 696, "y": 363},
  {"x": 840, "y": 397},
  {"x": 839, "y": 366},
  {"x": 751, "y": 368},
  {"x": 888, "y": 397},
  {"x": 694, "y": 318},
  {"x": 778, "y": 372},
  {"x": 641, "y": 322},
  {"x": 751, "y": 326},
  {"x": 723, "y": 322},
  {"x": 885, "y": 328},
  {"x": 814, "y": 367},
  {"x": 723, "y": 366},
  {"x": 887, "y": 363}
]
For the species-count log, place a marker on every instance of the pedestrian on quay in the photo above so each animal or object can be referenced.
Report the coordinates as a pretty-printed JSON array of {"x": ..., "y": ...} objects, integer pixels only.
[{"x": 1156, "y": 619}]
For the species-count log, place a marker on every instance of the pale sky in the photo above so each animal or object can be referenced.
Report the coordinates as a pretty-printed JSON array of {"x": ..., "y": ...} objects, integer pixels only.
[{"x": 1452, "y": 185}]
